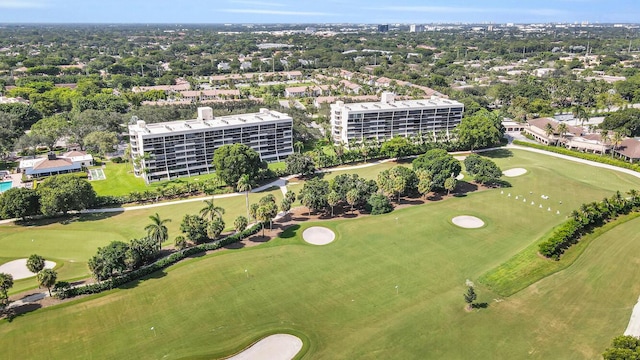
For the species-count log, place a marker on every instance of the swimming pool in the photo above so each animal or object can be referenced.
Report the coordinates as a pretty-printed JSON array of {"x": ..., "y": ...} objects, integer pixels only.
[{"x": 5, "y": 185}]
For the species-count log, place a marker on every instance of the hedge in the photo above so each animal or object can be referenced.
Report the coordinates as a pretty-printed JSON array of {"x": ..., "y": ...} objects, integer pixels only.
[
  {"x": 156, "y": 266},
  {"x": 586, "y": 156}
]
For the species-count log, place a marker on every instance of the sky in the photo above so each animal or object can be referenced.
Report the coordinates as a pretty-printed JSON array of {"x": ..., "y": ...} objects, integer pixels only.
[{"x": 314, "y": 11}]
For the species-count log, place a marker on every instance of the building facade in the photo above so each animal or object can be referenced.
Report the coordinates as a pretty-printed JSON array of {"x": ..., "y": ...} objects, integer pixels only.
[
  {"x": 389, "y": 118},
  {"x": 175, "y": 149}
]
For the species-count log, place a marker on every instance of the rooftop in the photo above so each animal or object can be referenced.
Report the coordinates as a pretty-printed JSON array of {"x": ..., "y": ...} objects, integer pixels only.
[
  {"x": 433, "y": 102},
  {"x": 265, "y": 115}
]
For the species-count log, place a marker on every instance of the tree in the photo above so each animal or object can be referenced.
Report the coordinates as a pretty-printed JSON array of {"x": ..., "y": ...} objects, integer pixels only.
[
  {"x": 50, "y": 129},
  {"x": 314, "y": 194},
  {"x": 109, "y": 260},
  {"x": 180, "y": 242},
  {"x": 195, "y": 228},
  {"x": 397, "y": 180},
  {"x": 264, "y": 213},
  {"x": 244, "y": 184},
  {"x": 396, "y": 147},
  {"x": 425, "y": 182},
  {"x": 63, "y": 193},
  {"x": 470, "y": 296},
  {"x": 35, "y": 263},
  {"x": 440, "y": 164},
  {"x": 353, "y": 196},
  {"x": 240, "y": 223},
  {"x": 479, "y": 130},
  {"x": 47, "y": 278},
  {"x": 101, "y": 142},
  {"x": 157, "y": 230},
  {"x": 211, "y": 210},
  {"x": 253, "y": 210},
  {"x": 563, "y": 129},
  {"x": 300, "y": 164},
  {"x": 233, "y": 161},
  {"x": 379, "y": 204},
  {"x": 482, "y": 169},
  {"x": 623, "y": 347},
  {"x": 450, "y": 184},
  {"x": 19, "y": 203},
  {"x": 141, "y": 251},
  {"x": 6, "y": 283},
  {"x": 215, "y": 228},
  {"x": 549, "y": 130},
  {"x": 333, "y": 198}
]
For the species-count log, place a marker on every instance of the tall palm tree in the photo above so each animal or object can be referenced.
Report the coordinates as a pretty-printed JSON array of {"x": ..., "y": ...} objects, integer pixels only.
[
  {"x": 157, "y": 230},
  {"x": 616, "y": 141},
  {"x": 563, "y": 129},
  {"x": 244, "y": 184},
  {"x": 548, "y": 130},
  {"x": 47, "y": 278},
  {"x": 211, "y": 210}
]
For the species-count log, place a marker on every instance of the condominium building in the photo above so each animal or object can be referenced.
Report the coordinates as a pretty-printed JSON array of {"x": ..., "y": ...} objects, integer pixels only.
[
  {"x": 388, "y": 118},
  {"x": 175, "y": 149}
]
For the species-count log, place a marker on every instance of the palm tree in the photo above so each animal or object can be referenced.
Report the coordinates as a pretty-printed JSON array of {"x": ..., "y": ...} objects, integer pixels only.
[
  {"x": 298, "y": 145},
  {"x": 580, "y": 113},
  {"x": 548, "y": 130},
  {"x": 211, "y": 211},
  {"x": 563, "y": 129},
  {"x": 47, "y": 278},
  {"x": 244, "y": 184},
  {"x": 616, "y": 141},
  {"x": 157, "y": 230}
]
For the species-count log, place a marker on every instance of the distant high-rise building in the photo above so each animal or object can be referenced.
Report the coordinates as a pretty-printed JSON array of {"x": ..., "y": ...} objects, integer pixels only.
[
  {"x": 416, "y": 28},
  {"x": 383, "y": 28},
  {"x": 389, "y": 118}
]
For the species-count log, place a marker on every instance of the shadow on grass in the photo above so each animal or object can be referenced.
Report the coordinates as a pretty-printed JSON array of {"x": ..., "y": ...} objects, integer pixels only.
[
  {"x": 289, "y": 232},
  {"x": 483, "y": 305},
  {"x": 498, "y": 154},
  {"x": 134, "y": 283},
  {"x": 68, "y": 219},
  {"x": 21, "y": 310}
]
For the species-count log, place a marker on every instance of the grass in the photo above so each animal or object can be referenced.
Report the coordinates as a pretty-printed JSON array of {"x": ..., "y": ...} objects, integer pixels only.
[
  {"x": 120, "y": 180},
  {"x": 341, "y": 298},
  {"x": 72, "y": 242}
]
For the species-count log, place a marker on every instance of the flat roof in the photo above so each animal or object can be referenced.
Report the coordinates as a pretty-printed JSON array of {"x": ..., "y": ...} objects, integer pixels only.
[
  {"x": 433, "y": 102},
  {"x": 220, "y": 122}
]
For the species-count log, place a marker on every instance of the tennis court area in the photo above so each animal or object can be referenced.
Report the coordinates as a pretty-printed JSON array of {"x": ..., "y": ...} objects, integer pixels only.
[{"x": 96, "y": 174}]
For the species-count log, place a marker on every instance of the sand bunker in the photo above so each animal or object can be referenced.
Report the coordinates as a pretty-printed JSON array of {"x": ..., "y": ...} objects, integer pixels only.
[
  {"x": 318, "y": 235},
  {"x": 273, "y": 347},
  {"x": 468, "y": 222},
  {"x": 514, "y": 172},
  {"x": 633, "y": 328},
  {"x": 460, "y": 176},
  {"x": 18, "y": 268}
]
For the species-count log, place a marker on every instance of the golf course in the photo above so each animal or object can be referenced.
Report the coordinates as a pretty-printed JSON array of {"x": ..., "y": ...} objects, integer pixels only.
[{"x": 388, "y": 287}]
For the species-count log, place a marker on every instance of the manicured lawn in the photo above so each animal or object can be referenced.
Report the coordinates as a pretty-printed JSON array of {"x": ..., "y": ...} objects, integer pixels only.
[
  {"x": 342, "y": 297},
  {"x": 120, "y": 180}
]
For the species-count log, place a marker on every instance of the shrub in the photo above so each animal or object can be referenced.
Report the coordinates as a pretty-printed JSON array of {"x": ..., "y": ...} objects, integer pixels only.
[{"x": 379, "y": 204}]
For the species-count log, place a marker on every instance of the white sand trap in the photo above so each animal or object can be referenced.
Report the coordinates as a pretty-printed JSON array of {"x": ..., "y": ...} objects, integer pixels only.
[
  {"x": 318, "y": 235},
  {"x": 633, "y": 328},
  {"x": 468, "y": 222},
  {"x": 514, "y": 172},
  {"x": 18, "y": 268},
  {"x": 460, "y": 176},
  {"x": 273, "y": 347}
]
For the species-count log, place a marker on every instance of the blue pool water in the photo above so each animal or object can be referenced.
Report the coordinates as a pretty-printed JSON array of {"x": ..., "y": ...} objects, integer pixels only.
[{"x": 5, "y": 185}]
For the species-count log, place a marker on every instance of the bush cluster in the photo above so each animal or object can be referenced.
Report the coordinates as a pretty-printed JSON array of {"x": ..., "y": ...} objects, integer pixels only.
[
  {"x": 66, "y": 292},
  {"x": 588, "y": 217}
]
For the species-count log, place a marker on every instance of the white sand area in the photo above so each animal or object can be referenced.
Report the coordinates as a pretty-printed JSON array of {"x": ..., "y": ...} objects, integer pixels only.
[
  {"x": 467, "y": 222},
  {"x": 18, "y": 268},
  {"x": 514, "y": 172},
  {"x": 633, "y": 328},
  {"x": 273, "y": 347},
  {"x": 318, "y": 235},
  {"x": 460, "y": 176}
]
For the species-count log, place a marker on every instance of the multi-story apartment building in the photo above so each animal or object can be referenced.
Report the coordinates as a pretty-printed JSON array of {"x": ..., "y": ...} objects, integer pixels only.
[
  {"x": 184, "y": 148},
  {"x": 388, "y": 118}
]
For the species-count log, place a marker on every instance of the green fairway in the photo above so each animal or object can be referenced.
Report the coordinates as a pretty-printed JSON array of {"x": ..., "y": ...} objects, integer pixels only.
[
  {"x": 342, "y": 297},
  {"x": 71, "y": 243}
]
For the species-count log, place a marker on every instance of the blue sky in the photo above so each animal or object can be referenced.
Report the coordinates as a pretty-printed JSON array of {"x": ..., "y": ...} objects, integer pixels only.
[{"x": 324, "y": 11}]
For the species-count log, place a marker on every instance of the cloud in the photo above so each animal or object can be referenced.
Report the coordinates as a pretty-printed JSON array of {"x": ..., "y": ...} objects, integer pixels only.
[
  {"x": 257, "y": 3},
  {"x": 21, "y": 4},
  {"x": 276, "y": 12}
]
